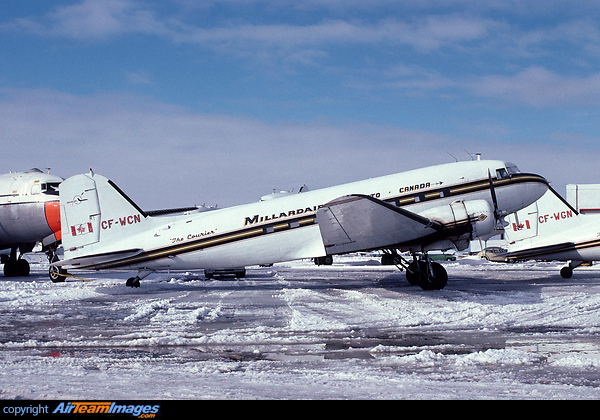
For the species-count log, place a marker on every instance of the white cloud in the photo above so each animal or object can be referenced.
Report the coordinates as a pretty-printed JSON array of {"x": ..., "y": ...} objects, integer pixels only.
[
  {"x": 425, "y": 34},
  {"x": 138, "y": 77},
  {"x": 539, "y": 87},
  {"x": 91, "y": 19},
  {"x": 100, "y": 19}
]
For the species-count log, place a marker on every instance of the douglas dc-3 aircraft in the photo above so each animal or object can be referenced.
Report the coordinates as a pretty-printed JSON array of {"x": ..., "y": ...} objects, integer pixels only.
[
  {"x": 29, "y": 213},
  {"x": 551, "y": 229},
  {"x": 440, "y": 207}
]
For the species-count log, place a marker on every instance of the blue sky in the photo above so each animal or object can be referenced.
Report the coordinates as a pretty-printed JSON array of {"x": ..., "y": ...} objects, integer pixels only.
[{"x": 219, "y": 102}]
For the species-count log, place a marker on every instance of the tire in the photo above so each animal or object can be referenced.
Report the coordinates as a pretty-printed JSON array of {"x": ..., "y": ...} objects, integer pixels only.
[
  {"x": 437, "y": 281},
  {"x": 566, "y": 272},
  {"x": 327, "y": 260},
  {"x": 57, "y": 274},
  {"x": 412, "y": 275},
  {"x": 18, "y": 268}
]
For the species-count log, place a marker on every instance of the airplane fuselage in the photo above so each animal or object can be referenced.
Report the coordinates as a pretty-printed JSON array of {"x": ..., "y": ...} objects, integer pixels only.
[
  {"x": 284, "y": 228},
  {"x": 29, "y": 208}
]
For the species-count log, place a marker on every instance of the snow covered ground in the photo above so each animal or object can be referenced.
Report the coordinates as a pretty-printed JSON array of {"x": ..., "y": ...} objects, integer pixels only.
[{"x": 353, "y": 330}]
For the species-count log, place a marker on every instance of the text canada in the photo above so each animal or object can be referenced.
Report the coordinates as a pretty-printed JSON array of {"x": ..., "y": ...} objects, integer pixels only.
[{"x": 414, "y": 187}]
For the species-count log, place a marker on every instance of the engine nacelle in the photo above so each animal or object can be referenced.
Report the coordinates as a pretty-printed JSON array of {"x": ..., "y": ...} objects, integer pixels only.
[{"x": 468, "y": 219}]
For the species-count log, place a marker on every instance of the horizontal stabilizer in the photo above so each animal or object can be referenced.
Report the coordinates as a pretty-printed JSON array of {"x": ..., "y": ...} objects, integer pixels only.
[
  {"x": 539, "y": 251},
  {"x": 360, "y": 222},
  {"x": 96, "y": 259}
]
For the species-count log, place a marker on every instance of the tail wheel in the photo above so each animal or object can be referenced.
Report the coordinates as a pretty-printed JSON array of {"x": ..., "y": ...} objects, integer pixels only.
[
  {"x": 566, "y": 272},
  {"x": 133, "y": 282},
  {"x": 57, "y": 275}
]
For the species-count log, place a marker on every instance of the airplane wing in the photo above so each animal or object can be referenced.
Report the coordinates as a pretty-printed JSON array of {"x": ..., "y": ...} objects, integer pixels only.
[{"x": 360, "y": 222}]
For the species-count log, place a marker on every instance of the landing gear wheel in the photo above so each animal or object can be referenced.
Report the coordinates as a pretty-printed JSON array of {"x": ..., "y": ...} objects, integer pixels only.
[
  {"x": 412, "y": 272},
  {"x": 566, "y": 272},
  {"x": 16, "y": 268},
  {"x": 133, "y": 282},
  {"x": 437, "y": 279},
  {"x": 23, "y": 268},
  {"x": 57, "y": 275}
]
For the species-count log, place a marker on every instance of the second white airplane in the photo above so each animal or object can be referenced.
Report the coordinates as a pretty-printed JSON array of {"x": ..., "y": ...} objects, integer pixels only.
[
  {"x": 552, "y": 230},
  {"x": 436, "y": 208}
]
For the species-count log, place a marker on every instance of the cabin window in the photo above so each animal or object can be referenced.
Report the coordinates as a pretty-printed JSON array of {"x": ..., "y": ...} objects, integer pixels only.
[{"x": 36, "y": 189}]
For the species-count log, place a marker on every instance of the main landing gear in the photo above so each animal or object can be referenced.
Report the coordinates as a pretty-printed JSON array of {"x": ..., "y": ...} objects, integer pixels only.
[
  {"x": 428, "y": 275},
  {"x": 15, "y": 266}
]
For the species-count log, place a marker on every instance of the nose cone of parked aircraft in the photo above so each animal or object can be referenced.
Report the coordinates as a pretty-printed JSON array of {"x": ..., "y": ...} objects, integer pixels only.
[{"x": 52, "y": 212}]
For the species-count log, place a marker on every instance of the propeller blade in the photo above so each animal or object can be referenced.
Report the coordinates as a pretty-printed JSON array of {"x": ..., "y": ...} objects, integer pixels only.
[{"x": 493, "y": 193}]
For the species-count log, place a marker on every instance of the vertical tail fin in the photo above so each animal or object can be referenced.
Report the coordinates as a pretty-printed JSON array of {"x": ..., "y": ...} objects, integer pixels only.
[
  {"x": 95, "y": 214},
  {"x": 546, "y": 217}
]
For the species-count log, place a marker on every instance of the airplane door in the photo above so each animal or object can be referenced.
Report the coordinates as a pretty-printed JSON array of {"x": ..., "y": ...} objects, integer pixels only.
[{"x": 80, "y": 211}]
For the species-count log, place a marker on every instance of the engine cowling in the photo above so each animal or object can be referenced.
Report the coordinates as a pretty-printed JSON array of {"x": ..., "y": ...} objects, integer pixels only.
[{"x": 464, "y": 220}]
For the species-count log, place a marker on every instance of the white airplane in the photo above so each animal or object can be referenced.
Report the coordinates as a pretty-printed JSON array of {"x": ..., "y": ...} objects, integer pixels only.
[
  {"x": 29, "y": 213},
  {"x": 552, "y": 230},
  {"x": 440, "y": 207}
]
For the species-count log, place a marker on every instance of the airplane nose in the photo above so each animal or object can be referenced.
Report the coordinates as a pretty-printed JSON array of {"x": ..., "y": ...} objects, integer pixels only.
[
  {"x": 52, "y": 211},
  {"x": 532, "y": 187}
]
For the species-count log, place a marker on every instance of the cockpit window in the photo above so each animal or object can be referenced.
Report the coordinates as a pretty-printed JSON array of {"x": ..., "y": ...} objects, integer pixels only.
[
  {"x": 512, "y": 170},
  {"x": 50, "y": 188},
  {"x": 502, "y": 173}
]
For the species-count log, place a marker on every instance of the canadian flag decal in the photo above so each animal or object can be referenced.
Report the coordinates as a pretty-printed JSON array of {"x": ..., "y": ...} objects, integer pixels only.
[
  {"x": 81, "y": 229},
  {"x": 521, "y": 226}
]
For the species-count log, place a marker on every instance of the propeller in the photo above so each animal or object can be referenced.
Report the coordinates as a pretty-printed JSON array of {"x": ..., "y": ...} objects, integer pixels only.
[
  {"x": 500, "y": 223},
  {"x": 497, "y": 211}
]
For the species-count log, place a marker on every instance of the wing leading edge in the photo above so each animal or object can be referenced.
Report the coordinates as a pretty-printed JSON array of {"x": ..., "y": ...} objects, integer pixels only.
[{"x": 360, "y": 222}]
